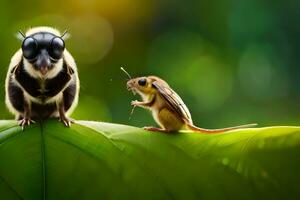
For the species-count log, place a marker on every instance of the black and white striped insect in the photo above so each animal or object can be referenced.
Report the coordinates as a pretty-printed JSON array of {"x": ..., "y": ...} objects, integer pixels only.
[{"x": 42, "y": 79}]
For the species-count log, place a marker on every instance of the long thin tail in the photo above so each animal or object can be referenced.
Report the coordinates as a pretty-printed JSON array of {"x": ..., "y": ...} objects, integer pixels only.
[{"x": 213, "y": 131}]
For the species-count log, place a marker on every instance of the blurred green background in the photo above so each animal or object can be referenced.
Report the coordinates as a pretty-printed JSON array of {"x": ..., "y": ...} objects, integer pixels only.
[{"x": 232, "y": 61}]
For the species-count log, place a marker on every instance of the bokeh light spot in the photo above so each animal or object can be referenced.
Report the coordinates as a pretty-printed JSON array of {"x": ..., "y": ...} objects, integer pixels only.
[
  {"x": 259, "y": 77},
  {"x": 92, "y": 38},
  {"x": 186, "y": 59}
]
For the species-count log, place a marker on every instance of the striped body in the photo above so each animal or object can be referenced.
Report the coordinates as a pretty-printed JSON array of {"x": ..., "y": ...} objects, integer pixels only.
[{"x": 42, "y": 93}]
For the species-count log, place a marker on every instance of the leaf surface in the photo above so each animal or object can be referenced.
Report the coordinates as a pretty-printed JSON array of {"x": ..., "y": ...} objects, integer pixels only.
[{"x": 95, "y": 160}]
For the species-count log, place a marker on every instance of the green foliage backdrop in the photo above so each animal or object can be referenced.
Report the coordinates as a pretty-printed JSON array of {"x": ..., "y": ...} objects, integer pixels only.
[
  {"x": 238, "y": 60},
  {"x": 93, "y": 160}
]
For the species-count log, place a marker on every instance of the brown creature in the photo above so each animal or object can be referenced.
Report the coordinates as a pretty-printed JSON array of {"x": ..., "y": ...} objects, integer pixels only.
[{"x": 168, "y": 109}]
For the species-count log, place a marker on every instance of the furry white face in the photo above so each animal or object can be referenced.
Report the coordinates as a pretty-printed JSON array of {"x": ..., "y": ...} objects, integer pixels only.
[{"x": 43, "y": 50}]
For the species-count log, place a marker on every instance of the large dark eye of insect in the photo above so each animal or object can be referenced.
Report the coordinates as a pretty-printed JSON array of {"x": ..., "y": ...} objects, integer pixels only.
[
  {"x": 57, "y": 47},
  {"x": 142, "y": 82},
  {"x": 29, "y": 48}
]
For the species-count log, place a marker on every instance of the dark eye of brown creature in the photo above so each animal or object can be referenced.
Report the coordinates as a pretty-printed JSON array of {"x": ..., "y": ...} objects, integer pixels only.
[{"x": 142, "y": 82}]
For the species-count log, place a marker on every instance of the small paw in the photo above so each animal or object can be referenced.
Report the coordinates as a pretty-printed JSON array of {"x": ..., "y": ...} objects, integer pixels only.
[
  {"x": 66, "y": 121},
  {"x": 134, "y": 103},
  {"x": 25, "y": 122}
]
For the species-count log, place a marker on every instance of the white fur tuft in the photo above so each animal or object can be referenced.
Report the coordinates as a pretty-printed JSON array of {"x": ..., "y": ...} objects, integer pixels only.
[{"x": 34, "y": 30}]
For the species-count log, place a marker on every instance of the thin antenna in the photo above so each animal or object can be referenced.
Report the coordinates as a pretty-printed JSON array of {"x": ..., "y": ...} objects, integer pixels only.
[
  {"x": 122, "y": 69},
  {"x": 65, "y": 35},
  {"x": 22, "y": 34},
  {"x": 65, "y": 32},
  {"x": 125, "y": 72}
]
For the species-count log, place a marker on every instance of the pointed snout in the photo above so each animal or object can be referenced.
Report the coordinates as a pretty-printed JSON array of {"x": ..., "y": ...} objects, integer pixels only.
[
  {"x": 43, "y": 62},
  {"x": 130, "y": 84}
]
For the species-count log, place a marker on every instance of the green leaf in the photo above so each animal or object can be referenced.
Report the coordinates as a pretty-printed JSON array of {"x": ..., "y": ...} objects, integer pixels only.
[{"x": 94, "y": 160}]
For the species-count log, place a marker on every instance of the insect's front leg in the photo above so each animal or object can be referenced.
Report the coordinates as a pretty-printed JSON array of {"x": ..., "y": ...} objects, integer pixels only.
[
  {"x": 62, "y": 113},
  {"x": 141, "y": 104},
  {"x": 26, "y": 118}
]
